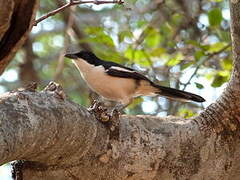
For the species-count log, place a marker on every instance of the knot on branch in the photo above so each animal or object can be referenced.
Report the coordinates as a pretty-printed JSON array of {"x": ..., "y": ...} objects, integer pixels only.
[
  {"x": 56, "y": 88},
  {"x": 31, "y": 87}
]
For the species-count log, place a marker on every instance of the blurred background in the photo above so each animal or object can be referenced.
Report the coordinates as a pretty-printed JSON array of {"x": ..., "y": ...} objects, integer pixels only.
[{"x": 184, "y": 44}]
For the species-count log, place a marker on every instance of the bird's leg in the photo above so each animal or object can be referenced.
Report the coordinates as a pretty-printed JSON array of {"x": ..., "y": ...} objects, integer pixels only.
[
  {"x": 94, "y": 105},
  {"x": 99, "y": 111},
  {"x": 114, "y": 117},
  {"x": 120, "y": 107},
  {"x": 103, "y": 115},
  {"x": 97, "y": 103}
]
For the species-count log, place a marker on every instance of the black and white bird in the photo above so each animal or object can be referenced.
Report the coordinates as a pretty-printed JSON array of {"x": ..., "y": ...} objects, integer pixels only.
[{"x": 119, "y": 83}]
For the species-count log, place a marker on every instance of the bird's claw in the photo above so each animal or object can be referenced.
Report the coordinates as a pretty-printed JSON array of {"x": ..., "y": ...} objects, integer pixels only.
[
  {"x": 94, "y": 106},
  {"x": 101, "y": 113},
  {"x": 115, "y": 113}
]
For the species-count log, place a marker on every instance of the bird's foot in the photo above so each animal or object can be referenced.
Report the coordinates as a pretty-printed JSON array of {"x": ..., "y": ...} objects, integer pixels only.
[
  {"x": 110, "y": 120},
  {"x": 115, "y": 113},
  {"x": 94, "y": 106},
  {"x": 101, "y": 113}
]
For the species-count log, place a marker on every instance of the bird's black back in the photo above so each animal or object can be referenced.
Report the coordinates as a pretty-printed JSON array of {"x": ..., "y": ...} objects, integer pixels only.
[{"x": 93, "y": 59}]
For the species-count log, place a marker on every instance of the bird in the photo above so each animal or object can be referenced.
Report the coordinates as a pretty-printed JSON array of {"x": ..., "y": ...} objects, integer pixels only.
[{"x": 121, "y": 84}]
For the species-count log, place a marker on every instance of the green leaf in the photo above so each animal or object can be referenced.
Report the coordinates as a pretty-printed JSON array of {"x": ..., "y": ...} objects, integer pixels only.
[
  {"x": 205, "y": 47},
  {"x": 157, "y": 52},
  {"x": 198, "y": 55},
  {"x": 111, "y": 55},
  {"x": 186, "y": 65},
  {"x": 215, "y": 17},
  {"x": 194, "y": 43},
  {"x": 220, "y": 78},
  {"x": 177, "y": 18},
  {"x": 141, "y": 58},
  {"x": 226, "y": 64},
  {"x": 186, "y": 113},
  {"x": 224, "y": 35},
  {"x": 216, "y": 47},
  {"x": 152, "y": 38},
  {"x": 216, "y": 0},
  {"x": 135, "y": 102},
  {"x": 209, "y": 75},
  {"x": 175, "y": 60},
  {"x": 199, "y": 86},
  {"x": 141, "y": 23},
  {"x": 224, "y": 73},
  {"x": 129, "y": 53},
  {"x": 137, "y": 56},
  {"x": 94, "y": 30},
  {"x": 123, "y": 34},
  {"x": 98, "y": 35},
  {"x": 167, "y": 30}
]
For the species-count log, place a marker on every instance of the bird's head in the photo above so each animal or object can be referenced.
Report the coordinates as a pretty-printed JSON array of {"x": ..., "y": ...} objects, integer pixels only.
[{"x": 83, "y": 55}]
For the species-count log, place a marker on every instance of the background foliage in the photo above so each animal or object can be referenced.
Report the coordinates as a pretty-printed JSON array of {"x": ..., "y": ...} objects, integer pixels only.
[{"x": 178, "y": 43}]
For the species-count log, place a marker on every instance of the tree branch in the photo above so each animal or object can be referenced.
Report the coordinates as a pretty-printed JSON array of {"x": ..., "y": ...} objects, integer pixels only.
[
  {"x": 235, "y": 35},
  {"x": 53, "y": 134},
  {"x": 72, "y": 3},
  {"x": 37, "y": 115},
  {"x": 79, "y": 34},
  {"x": 27, "y": 72},
  {"x": 16, "y": 28},
  {"x": 67, "y": 36}
]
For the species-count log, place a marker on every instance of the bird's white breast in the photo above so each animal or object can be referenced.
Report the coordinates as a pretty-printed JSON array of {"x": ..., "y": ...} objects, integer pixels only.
[{"x": 113, "y": 88}]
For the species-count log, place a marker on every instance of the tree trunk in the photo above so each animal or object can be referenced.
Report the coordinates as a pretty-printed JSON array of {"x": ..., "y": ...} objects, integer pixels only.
[
  {"x": 58, "y": 139},
  {"x": 16, "y": 19}
]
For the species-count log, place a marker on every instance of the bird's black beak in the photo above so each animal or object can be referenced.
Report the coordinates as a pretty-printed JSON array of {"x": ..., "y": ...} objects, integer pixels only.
[{"x": 71, "y": 56}]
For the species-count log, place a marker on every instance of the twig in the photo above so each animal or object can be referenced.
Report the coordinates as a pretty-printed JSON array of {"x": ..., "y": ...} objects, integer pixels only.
[
  {"x": 203, "y": 61},
  {"x": 60, "y": 65},
  {"x": 72, "y": 3}
]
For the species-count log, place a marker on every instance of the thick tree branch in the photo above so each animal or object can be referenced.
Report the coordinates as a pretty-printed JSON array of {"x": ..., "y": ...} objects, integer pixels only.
[
  {"x": 5, "y": 16},
  {"x": 235, "y": 34},
  {"x": 15, "y": 27},
  {"x": 40, "y": 126},
  {"x": 58, "y": 139}
]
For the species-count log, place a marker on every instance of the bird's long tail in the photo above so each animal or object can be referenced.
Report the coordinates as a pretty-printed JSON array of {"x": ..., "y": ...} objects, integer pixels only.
[{"x": 177, "y": 94}]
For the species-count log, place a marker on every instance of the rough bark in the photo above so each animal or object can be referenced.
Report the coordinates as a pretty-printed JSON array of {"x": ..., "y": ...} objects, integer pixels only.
[
  {"x": 16, "y": 19},
  {"x": 61, "y": 140}
]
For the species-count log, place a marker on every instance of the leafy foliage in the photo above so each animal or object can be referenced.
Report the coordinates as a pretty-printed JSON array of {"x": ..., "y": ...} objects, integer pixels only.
[{"x": 161, "y": 39}]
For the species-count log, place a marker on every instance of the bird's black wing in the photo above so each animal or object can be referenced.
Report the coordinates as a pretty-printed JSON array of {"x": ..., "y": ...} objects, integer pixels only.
[
  {"x": 118, "y": 71},
  {"x": 110, "y": 64}
]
